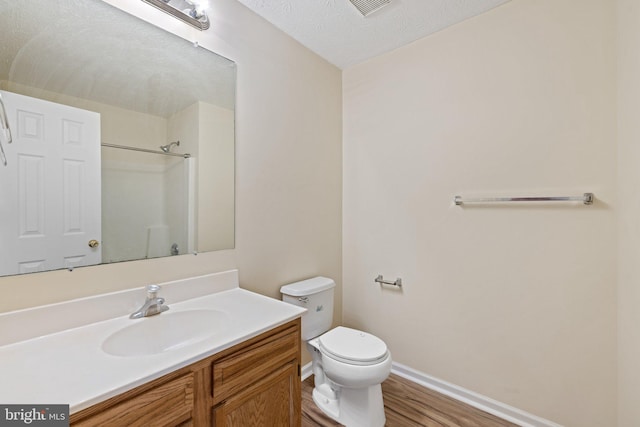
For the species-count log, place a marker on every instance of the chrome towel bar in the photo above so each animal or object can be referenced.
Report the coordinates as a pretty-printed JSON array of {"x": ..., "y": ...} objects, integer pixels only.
[{"x": 586, "y": 198}]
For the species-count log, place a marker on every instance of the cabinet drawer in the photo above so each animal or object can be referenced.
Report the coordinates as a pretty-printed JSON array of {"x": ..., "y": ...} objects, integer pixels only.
[
  {"x": 247, "y": 365},
  {"x": 167, "y": 404}
]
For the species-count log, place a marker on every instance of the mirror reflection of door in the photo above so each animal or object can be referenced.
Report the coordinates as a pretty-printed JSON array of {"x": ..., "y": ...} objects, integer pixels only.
[{"x": 50, "y": 192}]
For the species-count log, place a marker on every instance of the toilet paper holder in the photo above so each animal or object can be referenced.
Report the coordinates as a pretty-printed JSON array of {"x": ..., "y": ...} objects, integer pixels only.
[{"x": 380, "y": 279}]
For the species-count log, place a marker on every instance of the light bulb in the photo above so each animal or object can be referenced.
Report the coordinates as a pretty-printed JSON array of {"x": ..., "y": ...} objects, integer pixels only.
[{"x": 199, "y": 7}]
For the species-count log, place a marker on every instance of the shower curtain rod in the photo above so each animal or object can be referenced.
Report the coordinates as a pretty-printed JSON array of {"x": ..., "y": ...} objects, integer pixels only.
[{"x": 144, "y": 150}]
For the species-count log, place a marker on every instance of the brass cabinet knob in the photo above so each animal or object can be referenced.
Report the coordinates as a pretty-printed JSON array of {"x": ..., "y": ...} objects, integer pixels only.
[{"x": 93, "y": 243}]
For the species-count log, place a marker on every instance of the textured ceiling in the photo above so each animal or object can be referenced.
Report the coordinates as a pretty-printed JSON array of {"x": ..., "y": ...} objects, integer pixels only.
[
  {"x": 335, "y": 30},
  {"x": 90, "y": 50}
]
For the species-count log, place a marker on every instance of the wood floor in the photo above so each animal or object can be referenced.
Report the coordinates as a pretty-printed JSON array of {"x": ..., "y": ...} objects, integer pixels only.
[{"x": 407, "y": 404}]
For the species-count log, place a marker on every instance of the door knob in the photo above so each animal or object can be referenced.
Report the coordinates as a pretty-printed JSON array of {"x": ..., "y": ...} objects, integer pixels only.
[{"x": 93, "y": 243}]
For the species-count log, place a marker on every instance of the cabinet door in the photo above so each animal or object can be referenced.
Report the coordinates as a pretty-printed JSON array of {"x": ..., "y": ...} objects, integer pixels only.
[
  {"x": 273, "y": 401},
  {"x": 233, "y": 372}
]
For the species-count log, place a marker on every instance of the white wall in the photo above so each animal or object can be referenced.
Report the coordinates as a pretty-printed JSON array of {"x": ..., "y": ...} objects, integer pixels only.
[
  {"x": 184, "y": 126},
  {"x": 289, "y": 162},
  {"x": 514, "y": 302},
  {"x": 629, "y": 212},
  {"x": 207, "y": 131},
  {"x": 132, "y": 182},
  {"x": 215, "y": 195},
  {"x": 133, "y": 194},
  {"x": 176, "y": 187}
]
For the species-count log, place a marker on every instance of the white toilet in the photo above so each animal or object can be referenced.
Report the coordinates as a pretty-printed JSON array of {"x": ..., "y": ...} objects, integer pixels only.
[{"x": 348, "y": 365}]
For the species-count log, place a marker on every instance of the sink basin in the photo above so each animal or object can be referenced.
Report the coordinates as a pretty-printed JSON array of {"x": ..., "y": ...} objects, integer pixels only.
[{"x": 165, "y": 332}]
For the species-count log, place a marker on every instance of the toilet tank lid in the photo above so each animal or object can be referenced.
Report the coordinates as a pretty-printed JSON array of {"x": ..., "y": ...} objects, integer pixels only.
[{"x": 308, "y": 287}]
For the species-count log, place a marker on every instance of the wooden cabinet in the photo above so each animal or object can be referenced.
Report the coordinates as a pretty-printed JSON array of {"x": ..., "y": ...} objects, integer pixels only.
[
  {"x": 254, "y": 383},
  {"x": 259, "y": 385},
  {"x": 268, "y": 402},
  {"x": 166, "y": 404}
]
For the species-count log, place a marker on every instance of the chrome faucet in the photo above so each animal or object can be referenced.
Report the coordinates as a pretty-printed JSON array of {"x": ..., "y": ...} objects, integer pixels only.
[{"x": 152, "y": 305}]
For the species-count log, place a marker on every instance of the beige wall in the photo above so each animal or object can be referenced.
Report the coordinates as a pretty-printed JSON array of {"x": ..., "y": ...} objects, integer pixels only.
[
  {"x": 517, "y": 303},
  {"x": 288, "y": 130},
  {"x": 629, "y": 212}
]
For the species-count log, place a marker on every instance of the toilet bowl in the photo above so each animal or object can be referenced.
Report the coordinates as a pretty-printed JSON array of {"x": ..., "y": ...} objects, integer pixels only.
[{"x": 348, "y": 365}]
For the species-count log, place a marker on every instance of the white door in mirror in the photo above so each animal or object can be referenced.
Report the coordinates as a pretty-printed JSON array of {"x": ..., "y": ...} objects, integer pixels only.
[{"x": 50, "y": 194}]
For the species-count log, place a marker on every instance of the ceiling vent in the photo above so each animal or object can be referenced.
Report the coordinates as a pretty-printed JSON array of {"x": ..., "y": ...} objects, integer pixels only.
[{"x": 367, "y": 7}]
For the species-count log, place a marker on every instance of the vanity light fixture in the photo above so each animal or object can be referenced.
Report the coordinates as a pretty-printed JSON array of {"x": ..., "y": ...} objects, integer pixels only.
[{"x": 193, "y": 12}]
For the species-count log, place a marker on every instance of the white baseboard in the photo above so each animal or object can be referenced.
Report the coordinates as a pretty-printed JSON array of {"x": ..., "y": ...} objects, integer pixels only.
[
  {"x": 307, "y": 371},
  {"x": 471, "y": 398},
  {"x": 499, "y": 409}
]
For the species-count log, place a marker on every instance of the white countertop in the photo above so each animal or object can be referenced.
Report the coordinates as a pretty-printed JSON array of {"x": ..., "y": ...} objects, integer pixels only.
[{"x": 70, "y": 367}]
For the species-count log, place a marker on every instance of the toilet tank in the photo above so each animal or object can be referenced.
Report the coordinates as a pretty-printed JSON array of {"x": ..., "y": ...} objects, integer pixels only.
[{"x": 316, "y": 295}]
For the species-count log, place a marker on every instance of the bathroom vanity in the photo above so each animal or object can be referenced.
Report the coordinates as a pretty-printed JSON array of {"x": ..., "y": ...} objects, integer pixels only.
[
  {"x": 219, "y": 356},
  {"x": 256, "y": 382}
]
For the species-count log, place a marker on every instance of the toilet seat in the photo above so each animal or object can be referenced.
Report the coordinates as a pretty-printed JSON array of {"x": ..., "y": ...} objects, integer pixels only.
[{"x": 353, "y": 347}]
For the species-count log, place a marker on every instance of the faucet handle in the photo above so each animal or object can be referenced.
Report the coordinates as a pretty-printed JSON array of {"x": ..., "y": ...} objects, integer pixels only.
[{"x": 152, "y": 290}]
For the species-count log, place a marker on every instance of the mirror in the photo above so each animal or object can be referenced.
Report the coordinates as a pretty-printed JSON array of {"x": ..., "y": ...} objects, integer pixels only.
[{"x": 122, "y": 139}]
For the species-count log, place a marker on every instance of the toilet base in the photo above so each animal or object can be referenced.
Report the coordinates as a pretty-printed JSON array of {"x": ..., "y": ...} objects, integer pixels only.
[
  {"x": 352, "y": 407},
  {"x": 328, "y": 405}
]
